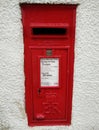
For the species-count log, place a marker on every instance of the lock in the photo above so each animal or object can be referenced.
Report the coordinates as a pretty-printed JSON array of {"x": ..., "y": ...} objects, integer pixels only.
[
  {"x": 39, "y": 91},
  {"x": 49, "y": 35}
]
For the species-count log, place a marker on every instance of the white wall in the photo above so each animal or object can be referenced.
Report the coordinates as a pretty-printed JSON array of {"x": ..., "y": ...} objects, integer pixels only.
[{"x": 85, "y": 114}]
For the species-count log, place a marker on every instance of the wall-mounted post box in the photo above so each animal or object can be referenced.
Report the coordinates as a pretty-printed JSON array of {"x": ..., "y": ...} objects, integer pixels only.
[{"x": 49, "y": 34}]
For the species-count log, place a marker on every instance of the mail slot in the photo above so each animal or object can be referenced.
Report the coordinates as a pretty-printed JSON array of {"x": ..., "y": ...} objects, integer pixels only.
[{"x": 49, "y": 36}]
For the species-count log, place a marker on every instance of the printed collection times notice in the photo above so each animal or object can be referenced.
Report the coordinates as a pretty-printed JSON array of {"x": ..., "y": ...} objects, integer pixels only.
[{"x": 49, "y": 72}]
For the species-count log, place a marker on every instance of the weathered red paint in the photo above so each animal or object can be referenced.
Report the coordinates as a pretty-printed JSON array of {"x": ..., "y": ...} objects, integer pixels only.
[{"x": 48, "y": 105}]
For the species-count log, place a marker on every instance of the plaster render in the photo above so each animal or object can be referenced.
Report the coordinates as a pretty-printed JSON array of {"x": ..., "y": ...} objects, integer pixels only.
[{"x": 85, "y": 113}]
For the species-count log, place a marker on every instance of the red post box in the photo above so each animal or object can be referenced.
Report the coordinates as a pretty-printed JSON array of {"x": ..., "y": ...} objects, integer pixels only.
[{"x": 49, "y": 35}]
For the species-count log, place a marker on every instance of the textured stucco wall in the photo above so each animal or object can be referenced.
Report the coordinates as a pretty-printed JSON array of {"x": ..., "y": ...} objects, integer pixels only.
[{"x": 85, "y": 113}]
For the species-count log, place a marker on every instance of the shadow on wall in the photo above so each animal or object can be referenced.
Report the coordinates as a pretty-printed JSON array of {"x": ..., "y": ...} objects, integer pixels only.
[
  {"x": 21, "y": 109},
  {"x": 5, "y": 127}
]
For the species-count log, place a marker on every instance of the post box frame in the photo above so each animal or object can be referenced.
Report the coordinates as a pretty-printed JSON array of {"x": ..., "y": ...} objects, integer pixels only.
[{"x": 28, "y": 53}]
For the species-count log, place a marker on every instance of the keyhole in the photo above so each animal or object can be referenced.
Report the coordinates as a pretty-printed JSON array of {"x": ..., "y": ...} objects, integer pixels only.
[{"x": 39, "y": 91}]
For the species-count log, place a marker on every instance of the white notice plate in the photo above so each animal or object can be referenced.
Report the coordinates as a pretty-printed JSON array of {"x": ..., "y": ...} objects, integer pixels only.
[{"x": 49, "y": 72}]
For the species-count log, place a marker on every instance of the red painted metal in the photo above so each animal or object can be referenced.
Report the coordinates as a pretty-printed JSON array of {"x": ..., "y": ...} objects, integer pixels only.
[{"x": 48, "y": 105}]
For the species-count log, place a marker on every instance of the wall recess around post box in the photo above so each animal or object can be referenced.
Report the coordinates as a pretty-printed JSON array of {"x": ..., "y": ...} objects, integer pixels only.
[{"x": 49, "y": 35}]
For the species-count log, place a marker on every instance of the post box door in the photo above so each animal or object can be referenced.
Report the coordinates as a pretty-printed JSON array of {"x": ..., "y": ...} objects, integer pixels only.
[{"x": 49, "y": 84}]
